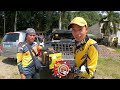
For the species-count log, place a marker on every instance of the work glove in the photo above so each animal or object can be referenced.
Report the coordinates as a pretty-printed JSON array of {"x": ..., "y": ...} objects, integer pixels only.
[{"x": 76, "y": 70}]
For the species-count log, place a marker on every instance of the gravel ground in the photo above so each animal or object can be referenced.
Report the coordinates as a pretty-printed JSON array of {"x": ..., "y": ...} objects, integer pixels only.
[
  {"x": 9, "y": 70},
  {"x": 107, "y": 52}
]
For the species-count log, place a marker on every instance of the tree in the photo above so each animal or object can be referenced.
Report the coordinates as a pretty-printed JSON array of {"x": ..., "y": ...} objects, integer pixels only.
[
  {"x": 110, "y": 22},
  {"x": 92, "y": 17},
  {"x": 43, "y": 20}
]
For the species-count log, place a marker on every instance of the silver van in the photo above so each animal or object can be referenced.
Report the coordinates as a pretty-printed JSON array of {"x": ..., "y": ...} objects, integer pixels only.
[{"x": 10, "y": 43}]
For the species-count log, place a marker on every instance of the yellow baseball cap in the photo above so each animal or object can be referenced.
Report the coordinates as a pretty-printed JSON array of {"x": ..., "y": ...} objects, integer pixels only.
[{"x": 79, "y": 21}]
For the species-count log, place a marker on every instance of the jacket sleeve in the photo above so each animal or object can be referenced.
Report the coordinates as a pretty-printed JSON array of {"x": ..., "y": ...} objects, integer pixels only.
[
  {"x": 19, "y": 59},
  {"x": 91, "y": 62}
]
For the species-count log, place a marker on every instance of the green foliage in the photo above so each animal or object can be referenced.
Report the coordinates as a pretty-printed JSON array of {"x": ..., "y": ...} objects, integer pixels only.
[
  {"x": 91, "y": 17},
  {"x": 44, "y": 20},
  {"x": 0, "y": 40},
  {"x": 112, "y": 18},
  {"x": 115, "y": 41}
]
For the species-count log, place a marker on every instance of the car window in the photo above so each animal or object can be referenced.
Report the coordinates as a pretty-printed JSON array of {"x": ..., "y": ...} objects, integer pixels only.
[{"x": 11, "y": 37}]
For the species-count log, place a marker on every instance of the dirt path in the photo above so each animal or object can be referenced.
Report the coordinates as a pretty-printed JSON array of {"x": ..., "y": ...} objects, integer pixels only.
[
  {"x": 107, "y": 52},
  {"x": 8, "y": 69}
]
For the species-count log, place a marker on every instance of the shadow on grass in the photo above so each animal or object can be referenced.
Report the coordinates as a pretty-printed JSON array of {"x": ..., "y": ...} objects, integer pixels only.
[{"x": 10, "y": 61}]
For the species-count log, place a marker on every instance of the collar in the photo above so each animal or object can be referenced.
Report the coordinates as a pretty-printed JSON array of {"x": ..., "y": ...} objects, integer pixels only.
[
  {"x": 28, "y": 43},
  {"x": 83, "y": 42}
]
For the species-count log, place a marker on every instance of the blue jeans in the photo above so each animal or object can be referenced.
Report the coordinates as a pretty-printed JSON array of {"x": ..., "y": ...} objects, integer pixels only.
[
  {"x": 31, "y": 73},
  {"x": 35, "y": 75}
]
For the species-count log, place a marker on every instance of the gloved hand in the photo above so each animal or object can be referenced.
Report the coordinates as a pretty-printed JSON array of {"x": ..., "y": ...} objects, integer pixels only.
[
  {"x": 72, "y": 69},
  {"x": 75, "y": 70},
  {"x": 50, "y": 49}
]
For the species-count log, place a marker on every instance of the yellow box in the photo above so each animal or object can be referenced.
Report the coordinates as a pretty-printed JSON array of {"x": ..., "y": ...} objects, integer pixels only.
[{"x": 54, "y": 57}]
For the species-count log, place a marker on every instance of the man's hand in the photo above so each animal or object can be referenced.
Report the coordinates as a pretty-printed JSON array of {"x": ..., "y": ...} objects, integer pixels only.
[
  {"x": 51, "y": 49},
  {"x": 23, "y": 76},
  {"x": 77, "y": 70}
]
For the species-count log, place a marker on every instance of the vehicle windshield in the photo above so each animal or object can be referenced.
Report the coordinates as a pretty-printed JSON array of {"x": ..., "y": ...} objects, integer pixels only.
[
  {"x": 11, "y": 37},
  {"x": 59, "y": 36},
  {"x": 38, "y": 39}
]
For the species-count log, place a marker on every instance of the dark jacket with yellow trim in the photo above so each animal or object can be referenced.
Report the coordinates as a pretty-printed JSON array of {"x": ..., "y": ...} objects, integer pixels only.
[{"x": 87, "y": 50}]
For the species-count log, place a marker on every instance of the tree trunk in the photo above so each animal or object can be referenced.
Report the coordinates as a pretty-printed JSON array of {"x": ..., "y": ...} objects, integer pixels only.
[
  {"x": 4, "y": 22},
  {"x": 15, "y": 21},
  {"x": 60, "y": 23}
]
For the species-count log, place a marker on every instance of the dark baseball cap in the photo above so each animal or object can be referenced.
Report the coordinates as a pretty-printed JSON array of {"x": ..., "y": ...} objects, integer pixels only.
[{"x": 30, "y": 31}]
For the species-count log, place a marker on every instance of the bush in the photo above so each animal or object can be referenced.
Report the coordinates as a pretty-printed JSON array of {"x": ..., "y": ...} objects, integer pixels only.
[
  {"x": 0, "y": 40},
  {"x": 115, "y": 41}
]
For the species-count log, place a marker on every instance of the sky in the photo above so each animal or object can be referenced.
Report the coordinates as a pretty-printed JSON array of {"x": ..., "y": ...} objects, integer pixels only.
[{"x": 106, "y": 13}]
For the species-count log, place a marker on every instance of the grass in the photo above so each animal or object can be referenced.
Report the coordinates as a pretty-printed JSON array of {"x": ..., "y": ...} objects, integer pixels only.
[
  {"x": 117, "y": 50},
  {"x": 108, "y": 69}
]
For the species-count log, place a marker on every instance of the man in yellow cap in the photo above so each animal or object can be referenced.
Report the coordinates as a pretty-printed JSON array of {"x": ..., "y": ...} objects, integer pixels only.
[{"x": 85, "y": 50}]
